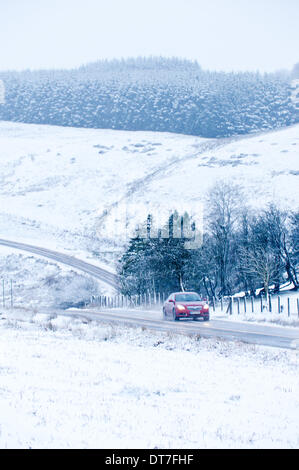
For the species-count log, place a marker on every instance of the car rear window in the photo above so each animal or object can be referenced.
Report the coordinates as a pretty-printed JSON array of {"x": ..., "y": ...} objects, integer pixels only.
[{"x": 187, "y": 297}]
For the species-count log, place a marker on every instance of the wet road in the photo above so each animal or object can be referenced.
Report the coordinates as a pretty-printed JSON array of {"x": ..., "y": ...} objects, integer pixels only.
[{"x": 282, "y": 337}]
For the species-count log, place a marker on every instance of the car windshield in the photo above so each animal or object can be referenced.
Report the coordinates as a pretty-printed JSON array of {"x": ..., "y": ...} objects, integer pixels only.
[{"x": 187, "y": 297}]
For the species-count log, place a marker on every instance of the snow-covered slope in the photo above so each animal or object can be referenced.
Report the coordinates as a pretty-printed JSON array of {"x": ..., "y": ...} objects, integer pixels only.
[{"x": 56, "y": 183}]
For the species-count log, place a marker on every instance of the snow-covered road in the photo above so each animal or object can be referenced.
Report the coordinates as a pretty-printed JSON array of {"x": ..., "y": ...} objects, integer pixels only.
[
  {"x": 266, "y": 335},
  {"x": 95, "y": 271},
  {"x": 256, "y": 334}
]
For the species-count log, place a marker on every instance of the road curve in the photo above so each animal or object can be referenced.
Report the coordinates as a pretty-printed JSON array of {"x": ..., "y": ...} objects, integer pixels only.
[
  {"x": 95, "y": 271},
  {"x": 281, "y": 337}
]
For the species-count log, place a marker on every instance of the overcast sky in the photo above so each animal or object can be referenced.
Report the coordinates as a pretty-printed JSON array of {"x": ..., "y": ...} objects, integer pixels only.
[{"x": 220, "y": 34}]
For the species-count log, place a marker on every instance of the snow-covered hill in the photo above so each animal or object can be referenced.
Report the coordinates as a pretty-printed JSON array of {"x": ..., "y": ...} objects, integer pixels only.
[{"x": 56, "y": 183}]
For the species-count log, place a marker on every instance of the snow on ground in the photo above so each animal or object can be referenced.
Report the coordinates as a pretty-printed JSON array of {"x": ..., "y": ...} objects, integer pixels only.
[
  {"x": 37, "y": 282},
  {"x": 266, "y": 318},
  {"x": 67, "y": 384},
  {"x": 265, "y": 166},
  {"x": 284, "y": 318},
  {"x": 56, "y": 181}
]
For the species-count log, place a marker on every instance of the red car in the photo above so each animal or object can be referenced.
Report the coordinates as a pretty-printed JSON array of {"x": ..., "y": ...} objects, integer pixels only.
[{"x": 186, "y": 305}]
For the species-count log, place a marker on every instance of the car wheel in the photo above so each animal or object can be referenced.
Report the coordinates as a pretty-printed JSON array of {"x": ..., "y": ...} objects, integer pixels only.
[
  {"x": 164, "y": 314},
  {"x": 206, "y": 319},
  {"x": 175, "y": 318}
]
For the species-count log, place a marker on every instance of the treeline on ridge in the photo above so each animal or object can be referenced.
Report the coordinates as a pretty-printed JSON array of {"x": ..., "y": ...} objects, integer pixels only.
[{"x": 155, "y": 94}]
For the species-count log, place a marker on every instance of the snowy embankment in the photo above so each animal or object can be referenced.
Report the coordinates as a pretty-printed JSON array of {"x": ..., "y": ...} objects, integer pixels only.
[
  {"x": 37, "y": 282},
  {"x": 271, "y": 319},
  {"x": 286, "y": 301},
  {"x": 69, "y": 384}
]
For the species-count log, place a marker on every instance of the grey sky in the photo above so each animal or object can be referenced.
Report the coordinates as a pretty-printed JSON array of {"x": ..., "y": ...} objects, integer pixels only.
[{"x": 221, "y": 34}]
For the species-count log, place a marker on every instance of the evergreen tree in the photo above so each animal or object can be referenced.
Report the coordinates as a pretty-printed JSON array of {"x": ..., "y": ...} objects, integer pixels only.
[
  {"x": 154, "y": 94},
  {"x": 154, "y": 264}
]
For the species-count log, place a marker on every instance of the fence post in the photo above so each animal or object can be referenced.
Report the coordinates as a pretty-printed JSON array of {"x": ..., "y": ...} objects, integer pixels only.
[
  {"x": 261, "y": 303},
  {"x": 213, "y": 303},
  {"x": 238, "y": 302},
  {"x": 278, "y": 303},
  {"x": 289, "y": 309},
  {"x": 11, "y": 296},
  {"x": 221, "y": 303},
  {"x": 252, "y": 304},
  {"x": 245, "y": 307},
  {"x": 230, "y": 306},
  {"x": 270, "y": 303}
]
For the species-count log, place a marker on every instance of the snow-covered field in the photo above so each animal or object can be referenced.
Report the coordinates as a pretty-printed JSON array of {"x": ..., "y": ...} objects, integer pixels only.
[
  {"x": 32, "y": 282},
  {"x": 67, "y": 384},
  {"x": 56, "y": 182}
]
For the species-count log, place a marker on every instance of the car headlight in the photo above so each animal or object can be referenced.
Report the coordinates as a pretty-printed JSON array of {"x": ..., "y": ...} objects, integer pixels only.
[
  {"x": 206, "y": 307},
  {"x": 180, "y": 307}
]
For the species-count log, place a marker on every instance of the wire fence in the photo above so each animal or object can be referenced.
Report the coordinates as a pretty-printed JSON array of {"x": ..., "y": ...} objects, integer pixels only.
[
  {"x": 282, "y": 304},
  {"x": 279, "y": 304},
  {"x": 150, "y": 299}
]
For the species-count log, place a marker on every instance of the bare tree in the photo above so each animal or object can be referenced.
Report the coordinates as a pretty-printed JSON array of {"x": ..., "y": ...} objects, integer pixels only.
[
  {"x": 223, "y": 209},
  {"x": 294, "y": 240},
  {"x": 276, "y": 224},
  {"x": 243, "y": 244},
  {"x": 261, "y": 263}
]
